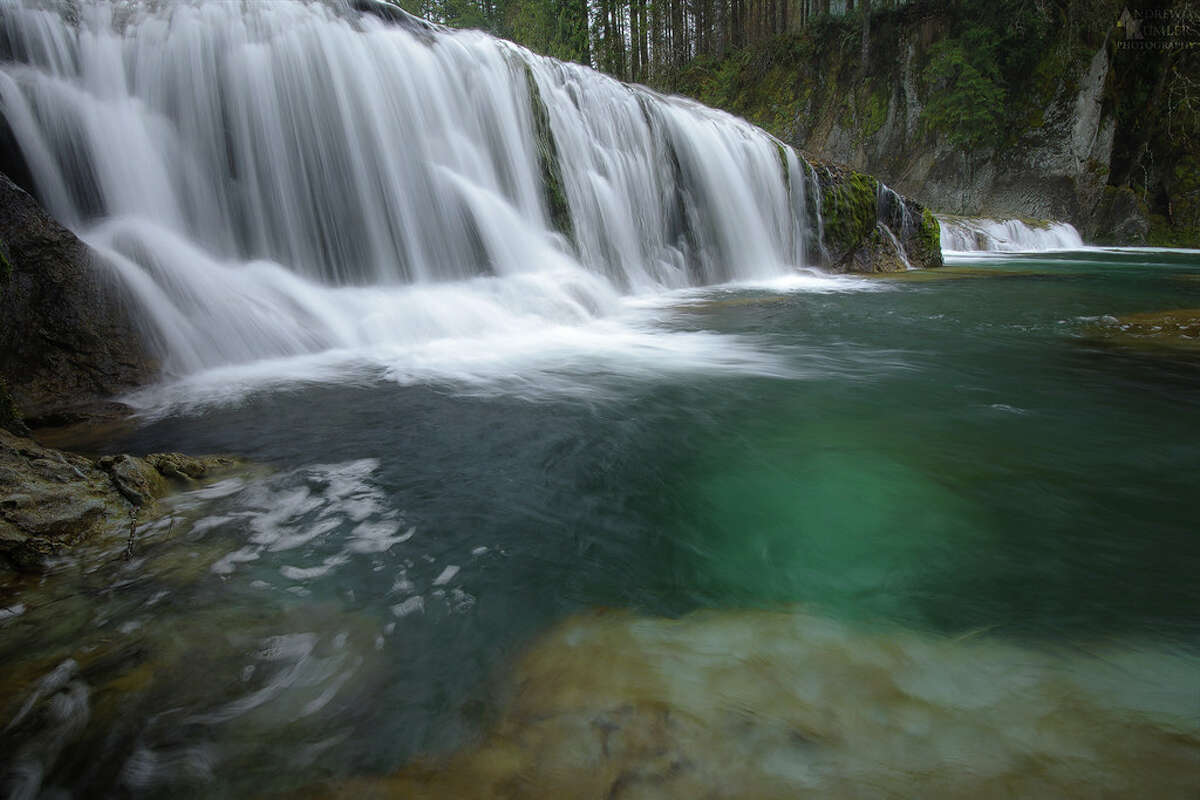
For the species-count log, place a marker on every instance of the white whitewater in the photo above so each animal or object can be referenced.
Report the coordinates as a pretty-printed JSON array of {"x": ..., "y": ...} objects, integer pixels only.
[
  {"x": 282, "y": 179},
  {"x": 981, "y": 234}
]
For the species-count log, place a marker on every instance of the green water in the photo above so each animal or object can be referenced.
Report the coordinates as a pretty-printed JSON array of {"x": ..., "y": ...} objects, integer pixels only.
[{"x": 965, "y": 455}]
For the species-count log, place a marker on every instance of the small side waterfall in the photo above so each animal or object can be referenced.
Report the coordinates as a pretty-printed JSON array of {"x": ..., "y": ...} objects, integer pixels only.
[
  {"x": 979, "y": 234},
  {"x": 893, "y": 214},
  {"x": 275, "y": 179}
]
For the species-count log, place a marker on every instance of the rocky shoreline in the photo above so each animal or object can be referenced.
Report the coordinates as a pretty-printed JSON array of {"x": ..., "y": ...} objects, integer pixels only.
[
  {"x": 51, "y": 500},
  {"x": 68, "y": 344}
]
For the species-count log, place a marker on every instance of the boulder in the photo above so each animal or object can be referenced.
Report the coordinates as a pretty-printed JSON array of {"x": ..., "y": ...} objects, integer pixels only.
[
  {"x": 867, "y": 227},
  {"x": 68, "y": 341}
]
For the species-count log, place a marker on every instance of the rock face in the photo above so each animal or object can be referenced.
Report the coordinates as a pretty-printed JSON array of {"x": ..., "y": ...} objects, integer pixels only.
[
  {"x": 1086, "y": 132},
  {"x": 50, "y": 500},
  {"x": 1057, "y": 169},
  {"x": 67, "y": 341},
  {"x": 1058, "y": 165}
]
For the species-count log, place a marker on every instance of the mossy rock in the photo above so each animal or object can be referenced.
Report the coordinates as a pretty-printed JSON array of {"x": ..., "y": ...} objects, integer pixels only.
[
  {"x": 51, "y": 500},
  {"x": 849, "y": 202},
  {"x": 877, "y": 252},
  {"x": 1182, "y": 227},
  {"x": 1120, "y": 218},
  {"x": 548, "y": 163},
  {"x": 925, "y": 247}
]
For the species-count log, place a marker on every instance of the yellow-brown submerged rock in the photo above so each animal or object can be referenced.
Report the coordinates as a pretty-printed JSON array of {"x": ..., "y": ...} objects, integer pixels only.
[
  {"x": 1177, "y": 329},
  {"x": 787, "y": 705}
]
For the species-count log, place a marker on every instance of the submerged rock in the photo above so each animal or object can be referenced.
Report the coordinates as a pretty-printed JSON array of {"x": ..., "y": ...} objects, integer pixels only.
[
  {"x": 1176, "y": 329},
  {"x": 50, "y": 499},
  {"x": 785, "y": 704},
  {"x": 953, "y": 273}
]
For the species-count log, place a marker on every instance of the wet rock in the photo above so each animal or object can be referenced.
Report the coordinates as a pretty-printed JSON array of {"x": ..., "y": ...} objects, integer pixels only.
[
  {"x": 1121, "y": 217},
  {"x": 877, "y": 252},
  {"x": 10, "y": 416},
  {"x": 137, "y": 481},
  {"x": 869, "y": 228},
  {"x": 185, "y": 468},
  {"x": 50, "y": 499},
  {"x": 67, "y": 339}
]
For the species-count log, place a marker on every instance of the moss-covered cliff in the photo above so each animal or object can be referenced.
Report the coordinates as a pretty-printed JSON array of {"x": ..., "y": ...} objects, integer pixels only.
[{"x": 1001, "y": 109}]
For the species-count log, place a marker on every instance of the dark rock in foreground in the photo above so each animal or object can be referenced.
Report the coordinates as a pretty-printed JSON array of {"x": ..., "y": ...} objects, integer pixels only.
[{"x": 67, "y": 339}]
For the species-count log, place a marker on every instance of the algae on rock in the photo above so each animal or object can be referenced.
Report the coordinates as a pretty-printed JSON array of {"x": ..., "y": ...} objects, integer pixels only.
[{"x": 848, "y": 207}]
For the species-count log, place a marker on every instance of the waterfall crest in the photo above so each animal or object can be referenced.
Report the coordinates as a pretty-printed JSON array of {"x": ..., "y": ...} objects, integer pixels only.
[
  {"x": 980, "y": 234},
  {"x": 282, "y": 178}
]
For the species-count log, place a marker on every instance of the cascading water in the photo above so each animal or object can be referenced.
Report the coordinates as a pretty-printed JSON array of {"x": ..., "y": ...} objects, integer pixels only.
[
  {"x": 975, "y": 234},
  {"x": 277, "y": 179},
  {"x": 892, "y": 211}
]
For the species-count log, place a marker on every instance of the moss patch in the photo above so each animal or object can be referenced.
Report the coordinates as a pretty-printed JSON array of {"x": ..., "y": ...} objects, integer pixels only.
[
  {"x": 848, "y": 207},
  {"x": 548, "y": 164},
  {"x": 1182, "y": 227},
  {"x": 872, "y": 113},
  {"x": 929, "y": 239}
]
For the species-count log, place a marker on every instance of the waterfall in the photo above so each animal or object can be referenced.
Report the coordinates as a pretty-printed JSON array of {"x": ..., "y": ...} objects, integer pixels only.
[
  {"x": 966, "y": 234},
  {"x": 892, "y": 213},
  {"x": 272, "y": 179}
]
